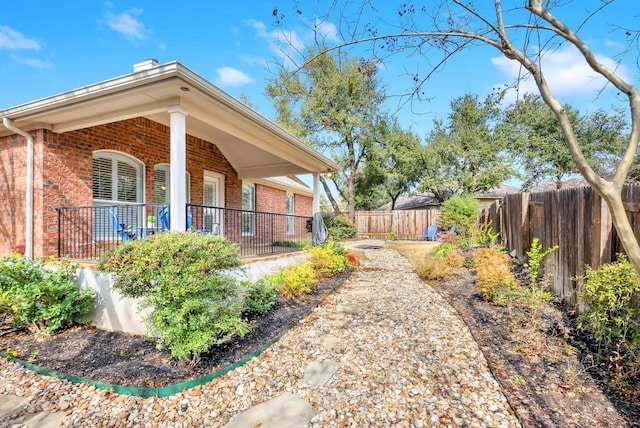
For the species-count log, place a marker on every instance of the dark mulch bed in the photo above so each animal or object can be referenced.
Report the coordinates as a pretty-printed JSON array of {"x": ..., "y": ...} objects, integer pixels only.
[
  {"x": 546, "y": 370},
  {"x": 132, "y": 360}
]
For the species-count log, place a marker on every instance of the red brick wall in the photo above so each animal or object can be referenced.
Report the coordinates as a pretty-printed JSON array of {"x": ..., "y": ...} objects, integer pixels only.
[
  {"x": 12, "y": 192},
  {"x": 63, "y": 173}
]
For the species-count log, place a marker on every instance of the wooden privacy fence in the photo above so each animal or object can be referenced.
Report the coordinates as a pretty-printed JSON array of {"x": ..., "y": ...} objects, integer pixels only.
[
  {"x": 399, "y": 224},
  {"x": 575, "y": 219}
]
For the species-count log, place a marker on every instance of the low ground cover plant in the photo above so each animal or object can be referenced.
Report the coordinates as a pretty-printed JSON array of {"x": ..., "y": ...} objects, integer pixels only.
[{"x": 44, "y": 299}]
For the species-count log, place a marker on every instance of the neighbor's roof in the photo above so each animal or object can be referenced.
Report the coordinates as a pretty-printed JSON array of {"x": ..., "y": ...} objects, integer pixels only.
[
  {"x": 254, "y": 146},
  {"x": 412, "y": 202},
  {"x": 572, "y": 183},
  {"x": 498, "y": 192}
]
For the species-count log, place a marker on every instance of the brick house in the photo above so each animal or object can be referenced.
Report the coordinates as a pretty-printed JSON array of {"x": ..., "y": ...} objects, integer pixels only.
[{"x": 85, "y": 169}]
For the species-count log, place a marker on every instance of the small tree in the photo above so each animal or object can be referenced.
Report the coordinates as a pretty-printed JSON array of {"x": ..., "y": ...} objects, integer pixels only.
[
  {"x": 524, "y": 32},
  {"x": 461, "y": 211}
]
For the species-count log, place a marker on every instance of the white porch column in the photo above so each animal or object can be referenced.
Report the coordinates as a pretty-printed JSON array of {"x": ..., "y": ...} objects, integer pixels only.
[
  {"x": 178, "y": 168},
  {"x": 315, "y": 205}
]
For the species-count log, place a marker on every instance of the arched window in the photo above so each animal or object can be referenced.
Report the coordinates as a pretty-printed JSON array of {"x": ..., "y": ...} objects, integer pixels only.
[
  {"x": 162, "y": 184},
  {"x": 116, "y": 178}
]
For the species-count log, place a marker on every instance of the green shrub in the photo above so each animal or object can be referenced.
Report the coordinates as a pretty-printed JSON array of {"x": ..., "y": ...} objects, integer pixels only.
[
  {"x": 41, "y": 298},
  {"x": 462, "y": 211},
  {"x": 180, "y": 276},
  {"x": 535, "y": 257},
  {"x": 444, "y": 249},
  {"x": 297, "y": 280},
  {"x": 292, "y": 244},
  {"x": 607, "y": 293},
  {"x": 485, "y": 236},
  {"x": 328, "y": 259},
  {"x": 339, "y": 227},
  {"x": 260, "y": 296}
]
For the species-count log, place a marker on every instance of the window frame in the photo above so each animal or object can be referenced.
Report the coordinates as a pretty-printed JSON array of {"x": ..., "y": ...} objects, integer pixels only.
[{"x": 248, "y": 218}]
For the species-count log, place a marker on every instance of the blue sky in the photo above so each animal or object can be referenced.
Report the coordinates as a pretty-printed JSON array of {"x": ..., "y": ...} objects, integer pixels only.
[{"x": 50, "y": 47}]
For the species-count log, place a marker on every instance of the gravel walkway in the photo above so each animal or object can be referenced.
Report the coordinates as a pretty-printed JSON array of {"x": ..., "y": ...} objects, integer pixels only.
[{"x": 403, "y": 358}]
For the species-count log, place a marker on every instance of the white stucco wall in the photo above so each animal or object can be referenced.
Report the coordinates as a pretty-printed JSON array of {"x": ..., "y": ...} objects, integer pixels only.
[{"x": 114, "y": 312}]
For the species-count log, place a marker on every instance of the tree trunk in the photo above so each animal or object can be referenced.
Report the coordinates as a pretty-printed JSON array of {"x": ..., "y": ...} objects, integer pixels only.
[
  {"x": 327, "y": 190},
  {"x": 623, "y": 227},
  {"x": 352, "y": 197}
]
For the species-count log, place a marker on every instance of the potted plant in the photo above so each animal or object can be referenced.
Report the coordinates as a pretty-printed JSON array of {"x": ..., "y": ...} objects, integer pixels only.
[{"x": 151, "y": 221}]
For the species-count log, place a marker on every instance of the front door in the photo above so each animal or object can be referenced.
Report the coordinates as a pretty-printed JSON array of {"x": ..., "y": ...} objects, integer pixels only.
[{"x": 213, "y": 200}]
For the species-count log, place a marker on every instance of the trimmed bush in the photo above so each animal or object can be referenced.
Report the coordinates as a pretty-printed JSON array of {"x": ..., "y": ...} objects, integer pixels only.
[
  {"x": 434, "y": 268},
  {"x": 182, "y": 277},
  {"x": 328, "y": 259},
  {"x": 41, "y": 298},
  {"x": 297, "y": 280}
]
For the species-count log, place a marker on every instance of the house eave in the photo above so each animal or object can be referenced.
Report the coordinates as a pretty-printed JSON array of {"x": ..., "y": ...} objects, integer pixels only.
[{"x": 150, "y": 93}]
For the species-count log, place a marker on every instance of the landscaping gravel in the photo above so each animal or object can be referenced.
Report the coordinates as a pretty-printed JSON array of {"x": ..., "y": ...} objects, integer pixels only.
[{"x": 402, "y": 358}]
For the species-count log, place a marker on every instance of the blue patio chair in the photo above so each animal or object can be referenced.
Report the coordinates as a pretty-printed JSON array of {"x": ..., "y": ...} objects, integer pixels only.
[
  {"x": 430, "y": 234},
  {"x": 163, "y": 214},
  {"x": 451, "y": 231},
  {"x": 125, "y": 233}
]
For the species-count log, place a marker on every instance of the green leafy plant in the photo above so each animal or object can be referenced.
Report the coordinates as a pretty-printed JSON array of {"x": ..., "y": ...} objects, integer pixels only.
[
  {"x": 39, "y": 297},
  {"x": 33, "y": 356},
  {"x": 485, "y": 236},
  {"x": 328, "y": 259},
  {"x": 339, "y": 227},
  {"x": 184, "y": 278},
  {"x": 461, "y": 211},
  {"x": 260, "y": 296},
  {"x": 444, "y": 249},
  {"x": 292, "y": 244},
  {"x": 535, "y": 257},
  {"x": 297, "y": 280},
  {"x": 10, "y": 354},
  {"x": 607, "y": 293}
]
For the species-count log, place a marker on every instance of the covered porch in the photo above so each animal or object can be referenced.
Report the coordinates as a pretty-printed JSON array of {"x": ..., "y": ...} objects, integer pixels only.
[{"x": 159, "y": 119}]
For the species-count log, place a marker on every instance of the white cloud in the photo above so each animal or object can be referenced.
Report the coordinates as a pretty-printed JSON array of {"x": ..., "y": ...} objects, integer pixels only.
[
  {"x": 327, "y": 31},
  {"x": 565, "y": 70},
  {"x": 36, "y": 63},
  {"x": 252, "y": 60},
  {"x": 231, "y": 77},
  {"x": 127, "y": 24},
  {"x": 13, "y": 40}
]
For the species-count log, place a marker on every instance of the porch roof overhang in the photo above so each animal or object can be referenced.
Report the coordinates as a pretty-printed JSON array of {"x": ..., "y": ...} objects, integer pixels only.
[{"x": 254, "y": 146}]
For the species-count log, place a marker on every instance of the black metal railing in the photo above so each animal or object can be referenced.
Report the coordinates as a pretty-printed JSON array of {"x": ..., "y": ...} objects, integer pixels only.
[
  {"x": 256, "y": 233},
  {"x": 87, "y": 232}
]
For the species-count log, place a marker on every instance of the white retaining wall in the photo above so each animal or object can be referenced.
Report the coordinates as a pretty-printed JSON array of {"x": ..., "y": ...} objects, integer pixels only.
[{"x": 114, "y": 312}]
